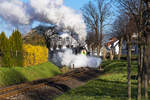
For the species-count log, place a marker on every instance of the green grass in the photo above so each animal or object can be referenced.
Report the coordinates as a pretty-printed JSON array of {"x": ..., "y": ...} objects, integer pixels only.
[
  {"x": 9, "y": 76},
  {"x": 110, "y": 86}
]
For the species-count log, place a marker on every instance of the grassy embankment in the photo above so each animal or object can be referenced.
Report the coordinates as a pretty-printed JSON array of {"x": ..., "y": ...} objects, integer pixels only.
[
  {"x": 110, "y": 86},
  {"x": 9, "y": 76}
]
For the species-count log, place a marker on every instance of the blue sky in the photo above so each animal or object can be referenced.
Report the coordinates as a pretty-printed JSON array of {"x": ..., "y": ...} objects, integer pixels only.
[{"x": 75, "y": 4}]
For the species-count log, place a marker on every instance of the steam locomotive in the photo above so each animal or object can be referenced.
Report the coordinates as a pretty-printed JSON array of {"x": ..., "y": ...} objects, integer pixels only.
[{"x": 58, "y": 41}]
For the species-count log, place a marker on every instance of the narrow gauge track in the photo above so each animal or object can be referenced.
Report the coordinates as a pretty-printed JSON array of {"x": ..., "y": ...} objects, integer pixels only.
[{"x": 15, "y": 90}]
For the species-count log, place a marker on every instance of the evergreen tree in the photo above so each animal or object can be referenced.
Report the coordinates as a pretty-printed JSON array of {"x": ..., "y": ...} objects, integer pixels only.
[
  {"x": 4, "y": 49},
  {"x": 3, "y": 40},
  {"x": 16, "y": 49}
]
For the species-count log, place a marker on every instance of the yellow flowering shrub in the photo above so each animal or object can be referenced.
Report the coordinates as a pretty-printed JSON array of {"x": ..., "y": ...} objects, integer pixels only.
[{"x": 34, "y": 55}]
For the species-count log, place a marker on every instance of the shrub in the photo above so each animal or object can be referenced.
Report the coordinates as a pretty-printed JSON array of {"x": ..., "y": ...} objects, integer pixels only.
[{"x": 34, "y": 55}]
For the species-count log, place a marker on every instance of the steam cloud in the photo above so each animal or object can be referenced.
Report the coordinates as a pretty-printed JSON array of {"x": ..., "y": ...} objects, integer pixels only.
[
  {"x": 69, "y": 59},
  {"x": 17, "y": 13}
]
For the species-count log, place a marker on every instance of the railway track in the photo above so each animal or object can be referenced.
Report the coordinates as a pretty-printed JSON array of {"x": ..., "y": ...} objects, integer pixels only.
[
  {"x": 17, "y": 91},
  {"x": 13, "y": 91}
]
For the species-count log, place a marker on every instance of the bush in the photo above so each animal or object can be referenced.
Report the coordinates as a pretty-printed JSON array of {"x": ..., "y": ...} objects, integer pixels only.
[{"x": 34, "y": 55}]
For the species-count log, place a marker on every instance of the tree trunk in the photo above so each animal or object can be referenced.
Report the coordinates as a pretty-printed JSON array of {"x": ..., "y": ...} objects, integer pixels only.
[
  {"x": 139, "y": 74},
  {"x": 96, "y": 40},
  {"x": 140, "y": 53},
  {"x": 129, "y": 70},
  {"x": 145, "y": 71},
  {"x": 140, "y": 67},
  {"x": 120, "y": 48},
  {"x": 111, "y": 54},
  {"x": 98, "y": 49},
  {"x": 16, "y": 53},
  {"x": 100, "y": 39},
  {"x": 93, "y": 49},
  {"x": 104, "y": 53},
  {"x": 148, "y": 47}
]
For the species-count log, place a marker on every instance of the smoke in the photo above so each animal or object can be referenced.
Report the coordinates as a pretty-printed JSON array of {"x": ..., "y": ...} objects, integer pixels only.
[
  {"x": 53, "y": 12},
  {"x": 69, "y": 59}
]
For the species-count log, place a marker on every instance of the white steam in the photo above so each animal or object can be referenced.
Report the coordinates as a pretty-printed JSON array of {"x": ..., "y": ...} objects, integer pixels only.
[
  {"x": 69, "y": 59},
  {"x": 54, "y": 12}
]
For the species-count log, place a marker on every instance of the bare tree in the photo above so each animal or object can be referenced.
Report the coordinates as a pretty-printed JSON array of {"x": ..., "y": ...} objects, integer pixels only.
[
  {"x": 104, "y": 14},
  {"x": 131, "y": 8},
  {"x": 118, "y": 31},
  {"x": 146, "y": 68},
  {"x": 90, "y": 40},
  {"x": 96, "y": 15},
  {"x": 129, "y": 65},
  {"x": 146, "y": 26},
  {"x": 130, "y": 29},
  {"x": 134, "y": 8}
]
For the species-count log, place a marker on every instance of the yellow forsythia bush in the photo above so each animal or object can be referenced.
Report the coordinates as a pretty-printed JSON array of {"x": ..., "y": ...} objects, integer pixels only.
[{"x": 34, "y": 55}]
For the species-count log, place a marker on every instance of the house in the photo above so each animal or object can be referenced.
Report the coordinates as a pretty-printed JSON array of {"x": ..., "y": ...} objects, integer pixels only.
[
  {"x": 134, "y": 48},
  {"x": 113, "y": 44}
]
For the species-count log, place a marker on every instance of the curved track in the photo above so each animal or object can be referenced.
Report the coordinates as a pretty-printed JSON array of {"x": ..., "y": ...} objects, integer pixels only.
[{"x": 61, "y": 82}]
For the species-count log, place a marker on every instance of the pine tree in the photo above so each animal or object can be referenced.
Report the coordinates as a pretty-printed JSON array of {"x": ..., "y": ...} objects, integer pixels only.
[{"x": 16, "y": 49}]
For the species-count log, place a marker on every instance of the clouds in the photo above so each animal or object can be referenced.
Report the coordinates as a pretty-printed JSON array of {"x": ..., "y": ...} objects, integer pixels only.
[
  {"x": 14, "y": 12},
  {"x": 55, "y": 12}
]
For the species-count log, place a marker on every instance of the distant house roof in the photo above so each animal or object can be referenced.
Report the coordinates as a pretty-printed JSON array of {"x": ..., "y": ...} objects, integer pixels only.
[{"x": 111, "y": 41}]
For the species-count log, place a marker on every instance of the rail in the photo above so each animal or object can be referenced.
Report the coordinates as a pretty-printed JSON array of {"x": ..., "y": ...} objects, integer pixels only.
[{"x": 15, "y": 90}]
